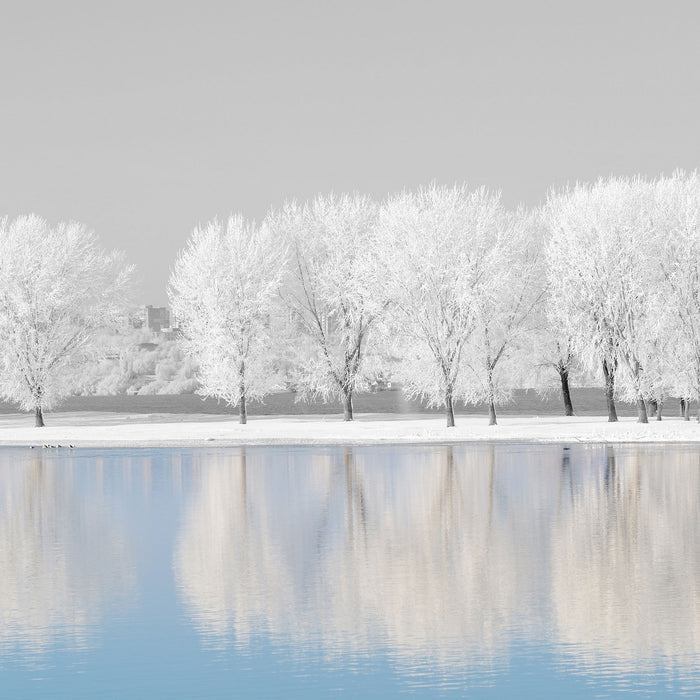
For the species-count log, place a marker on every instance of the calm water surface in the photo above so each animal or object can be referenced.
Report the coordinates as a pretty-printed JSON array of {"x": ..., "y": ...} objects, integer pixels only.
[{"x": 480, "y": 571}]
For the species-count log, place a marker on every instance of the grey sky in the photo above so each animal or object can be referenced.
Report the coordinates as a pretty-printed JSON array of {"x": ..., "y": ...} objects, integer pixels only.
[{"x": 143, "y": 119}]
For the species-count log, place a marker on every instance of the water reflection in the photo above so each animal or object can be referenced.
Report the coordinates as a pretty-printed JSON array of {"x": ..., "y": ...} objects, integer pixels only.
[
  {"x": 450, "y": 555},
  {"x": 61, "y": 557},
  {"x": 625, "y": 575},
  {"x": 450, "y": 566}
]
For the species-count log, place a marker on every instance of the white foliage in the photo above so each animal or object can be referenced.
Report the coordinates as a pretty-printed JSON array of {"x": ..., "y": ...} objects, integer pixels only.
[
  {"x": 139, "y": 362},
  {"x": 444, "y": 272},
  {"x": 330, "y": 293},
  {"x": 57, "y": 288},
  {"x": 504, "y": 305},
  {"x": 549, "y": 359},
  {"x": 678, "y": 299},
  {"x": 602, "y": 274},
  {"x": 221, "y": 291}
]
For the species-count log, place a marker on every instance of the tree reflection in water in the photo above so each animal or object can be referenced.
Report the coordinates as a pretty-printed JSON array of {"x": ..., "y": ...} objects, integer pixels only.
[
  {"x": 61, "y": 557},
  {"x": 452, "y": 554},
  {"x": 625, "y": 576}
]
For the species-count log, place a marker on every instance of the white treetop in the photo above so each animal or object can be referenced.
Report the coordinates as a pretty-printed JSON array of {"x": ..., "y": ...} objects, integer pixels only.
[
  {"x": 601, "y": 275},
  {"x": 330, "y": 293},
  {"x": 438, "y": 254},
  {"x": 222, "y": 291},
  {"x": 57, "y": 288}
]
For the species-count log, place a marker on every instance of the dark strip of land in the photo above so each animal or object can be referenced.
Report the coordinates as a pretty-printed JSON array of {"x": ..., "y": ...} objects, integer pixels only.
[{"x": 587, "y": 402}]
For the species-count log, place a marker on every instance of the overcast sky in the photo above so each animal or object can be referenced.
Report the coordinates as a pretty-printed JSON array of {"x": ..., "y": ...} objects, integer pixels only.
[{"x": 143, "y": 119}]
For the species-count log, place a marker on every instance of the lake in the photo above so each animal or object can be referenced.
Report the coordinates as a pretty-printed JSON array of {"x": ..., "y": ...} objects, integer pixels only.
[{"x": 449, "y": 571}]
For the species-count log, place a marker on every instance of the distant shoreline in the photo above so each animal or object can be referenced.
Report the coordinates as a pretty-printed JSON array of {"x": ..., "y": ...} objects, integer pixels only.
[{"x": 587, "y": 401}]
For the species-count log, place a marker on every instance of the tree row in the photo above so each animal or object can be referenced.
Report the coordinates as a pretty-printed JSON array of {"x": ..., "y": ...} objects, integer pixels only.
[{"x": 442, "y": 289}]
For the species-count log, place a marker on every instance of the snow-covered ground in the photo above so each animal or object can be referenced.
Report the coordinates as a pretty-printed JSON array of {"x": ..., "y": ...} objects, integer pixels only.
[{"x": 120, "y": 430}]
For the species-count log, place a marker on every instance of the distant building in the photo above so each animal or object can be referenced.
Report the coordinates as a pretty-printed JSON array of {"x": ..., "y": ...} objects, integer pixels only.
[{"x": 156, "y": 318}]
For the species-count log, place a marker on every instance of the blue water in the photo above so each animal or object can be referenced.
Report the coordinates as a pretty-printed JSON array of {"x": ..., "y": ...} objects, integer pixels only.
[{"x": 478, "y": 571}]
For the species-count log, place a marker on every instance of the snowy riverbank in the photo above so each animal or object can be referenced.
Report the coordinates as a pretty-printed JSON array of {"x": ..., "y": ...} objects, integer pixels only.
[{"x": 119, "y": 430}]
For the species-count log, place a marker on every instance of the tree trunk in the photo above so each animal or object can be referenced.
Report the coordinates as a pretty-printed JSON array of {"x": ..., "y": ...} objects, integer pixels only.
[
  {"x": 659, "y": 407},
  {"x": 242, "y": 411},
  {"x": 449, "y": 409},
  {"x": 641, "y": 411},
  {"x": 242, "y": 408},
  {"x": 609, "y": 375},
  {"x": 347, "y": 404},
  {"x": 492, "y": 405},
  {"x": 38, "y": 417},
  {"x": 685, "y": 409},
  {"x": 565, "y": 392},
  {"x": 652, "y": 407},
  {"x": 492, "y": 413}
]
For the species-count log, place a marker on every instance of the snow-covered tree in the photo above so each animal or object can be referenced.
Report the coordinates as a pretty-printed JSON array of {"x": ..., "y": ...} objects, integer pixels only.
[
  {"x": 601, "y": 277},
  {"x": 437, "y": 255},
  {"x": 57, "y": 288},
  {"x": 504, "y": 299},
  {"x": 222, "y": 291},
  {"x": 678, "y": 219},
  {"x": 552, "y": 352},
  {"x": 330, "y": 293}
]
